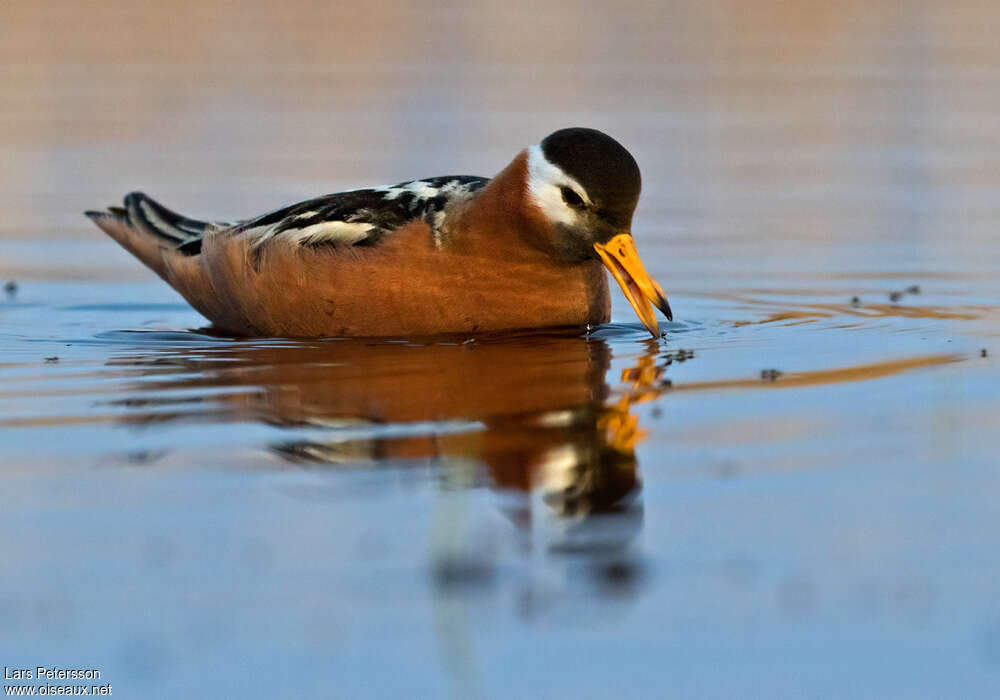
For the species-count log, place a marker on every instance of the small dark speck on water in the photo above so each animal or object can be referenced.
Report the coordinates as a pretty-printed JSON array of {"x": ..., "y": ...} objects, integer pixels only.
[
  {"x": 896, "y": 296},
  {"x": 678, "y": 355},
  {"x": 769, "y": 375},
  {"x": 618, "y": 576},
  {"x": 10, "y": 287},
  {"x": 983, "y": 353},
  {"x": 657, "y": 411},
  {"x": 855, "y": 301},
  {"x": 52, "y": 359},
  {"x": 143, "y": 457},
  {"x": 729, "y": 470},
  {"x": 460, "y": 572}
]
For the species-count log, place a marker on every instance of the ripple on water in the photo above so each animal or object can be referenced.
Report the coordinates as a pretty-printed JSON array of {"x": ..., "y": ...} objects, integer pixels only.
[{"x": 168, "y": 376}]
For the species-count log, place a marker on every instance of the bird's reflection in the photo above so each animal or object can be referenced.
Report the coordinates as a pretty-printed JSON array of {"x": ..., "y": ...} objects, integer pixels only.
[{"x": 535, "y": 409}]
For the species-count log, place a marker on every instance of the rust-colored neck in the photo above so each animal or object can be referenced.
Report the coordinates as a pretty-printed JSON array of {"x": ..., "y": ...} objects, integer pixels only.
[{"x": 501, "y": 221}]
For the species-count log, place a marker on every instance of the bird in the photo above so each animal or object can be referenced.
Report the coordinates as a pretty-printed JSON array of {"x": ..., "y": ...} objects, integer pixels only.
[{"x": 524, "y": 249}]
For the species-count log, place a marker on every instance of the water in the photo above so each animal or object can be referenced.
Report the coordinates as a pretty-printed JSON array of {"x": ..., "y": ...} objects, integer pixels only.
[{"x": 791, "y": 494}]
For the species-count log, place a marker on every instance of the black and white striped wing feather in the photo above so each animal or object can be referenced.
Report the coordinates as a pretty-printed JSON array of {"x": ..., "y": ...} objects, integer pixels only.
[{"x": 361, "y": 217}]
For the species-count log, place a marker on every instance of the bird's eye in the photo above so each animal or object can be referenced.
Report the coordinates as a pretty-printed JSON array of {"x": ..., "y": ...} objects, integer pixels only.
[{"x": 571, "y": 198}]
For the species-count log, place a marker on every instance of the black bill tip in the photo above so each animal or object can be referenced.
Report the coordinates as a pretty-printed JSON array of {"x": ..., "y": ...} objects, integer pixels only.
[{"x": 663, "y": 305}]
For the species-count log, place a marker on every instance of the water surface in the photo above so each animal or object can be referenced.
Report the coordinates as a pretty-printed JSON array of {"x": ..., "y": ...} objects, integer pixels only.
[{"x": 790, "y": 494}]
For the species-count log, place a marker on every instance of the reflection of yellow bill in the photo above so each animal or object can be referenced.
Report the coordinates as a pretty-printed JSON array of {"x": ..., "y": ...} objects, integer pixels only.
[
  {"x": 622, "y": 259},
  {"x": 621, "y": 427}
]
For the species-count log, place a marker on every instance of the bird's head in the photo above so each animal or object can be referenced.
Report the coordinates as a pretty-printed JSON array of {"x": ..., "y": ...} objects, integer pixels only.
[{"x": 586, "y": 185}]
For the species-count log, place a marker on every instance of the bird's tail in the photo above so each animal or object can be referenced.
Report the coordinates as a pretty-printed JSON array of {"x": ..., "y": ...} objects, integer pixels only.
[{"x": 150, "y": 231}]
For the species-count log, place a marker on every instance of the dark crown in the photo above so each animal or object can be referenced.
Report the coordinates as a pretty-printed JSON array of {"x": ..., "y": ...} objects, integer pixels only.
[{"x": 601, "y": 165}]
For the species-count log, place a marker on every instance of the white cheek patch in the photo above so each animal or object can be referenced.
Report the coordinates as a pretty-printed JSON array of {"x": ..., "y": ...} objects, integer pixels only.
[{"x": 544, "y": 181}]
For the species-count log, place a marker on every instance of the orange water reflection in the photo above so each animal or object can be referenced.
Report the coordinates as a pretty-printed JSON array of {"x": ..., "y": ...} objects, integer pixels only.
[{"x": 536, "y": 410}]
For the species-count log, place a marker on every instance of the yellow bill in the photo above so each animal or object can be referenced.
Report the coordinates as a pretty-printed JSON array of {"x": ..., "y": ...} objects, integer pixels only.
[{"x": 622, "y": 259}]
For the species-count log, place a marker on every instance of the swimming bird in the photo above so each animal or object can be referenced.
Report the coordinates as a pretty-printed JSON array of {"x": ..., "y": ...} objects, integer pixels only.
[{"x": 452, "y": 254}]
